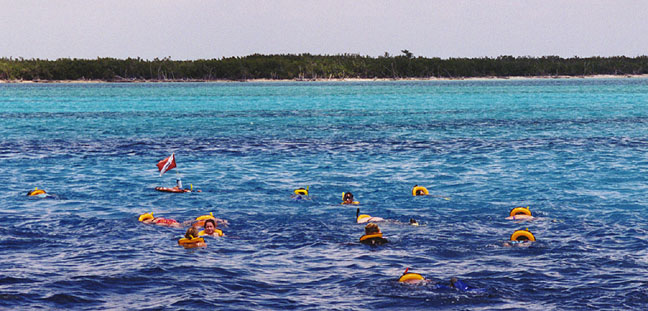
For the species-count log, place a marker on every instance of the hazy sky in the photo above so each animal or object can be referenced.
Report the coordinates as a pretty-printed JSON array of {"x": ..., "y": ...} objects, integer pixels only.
[{"x": 195, "y": 29}]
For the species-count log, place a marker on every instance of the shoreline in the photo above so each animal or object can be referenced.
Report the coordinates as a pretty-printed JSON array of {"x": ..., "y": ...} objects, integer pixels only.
[{"x": 490, "y": 78}]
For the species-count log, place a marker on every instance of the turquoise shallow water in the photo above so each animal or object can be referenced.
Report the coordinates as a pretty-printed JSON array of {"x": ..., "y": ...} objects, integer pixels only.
[{"x": 572, "y": 150}]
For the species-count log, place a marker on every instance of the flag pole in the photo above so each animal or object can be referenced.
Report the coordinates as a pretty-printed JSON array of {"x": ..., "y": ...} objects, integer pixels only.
[{"x": 177, "y": 172}]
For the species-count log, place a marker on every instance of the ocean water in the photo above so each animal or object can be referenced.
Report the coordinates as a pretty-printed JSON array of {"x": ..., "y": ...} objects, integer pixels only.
[{"x": 574, "y": 150}]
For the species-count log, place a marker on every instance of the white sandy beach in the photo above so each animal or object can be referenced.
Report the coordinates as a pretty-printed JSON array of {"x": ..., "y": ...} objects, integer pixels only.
[{"x": 337, "y": 79}]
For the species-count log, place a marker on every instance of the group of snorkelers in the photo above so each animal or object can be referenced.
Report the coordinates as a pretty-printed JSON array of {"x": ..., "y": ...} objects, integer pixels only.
[
  {"x": 193, "y": 237},
  {"x": 372, "y": 235}
]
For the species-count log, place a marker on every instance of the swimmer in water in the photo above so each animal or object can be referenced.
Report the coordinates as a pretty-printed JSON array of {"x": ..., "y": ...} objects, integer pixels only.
[
  {"x": 520, "y": 213},
  {"x": 348, "y": 198},
  {"x": 192, "y": 233},
  {"x": 200, "y": 222},
  {"x": 300, "y": 194},
  {"x": 417, "y": 279},
  {"x": 419, "y": 190},
  {"x": 363, "y": 219},
  {"x": 40, "y": 193},
  {"x": 373, "y": 236},
  {"x": 520, "y": 238},
  {"x": 210, "y": 229},
  {"x": 148, "y": 218},
  {"x": 36, "y": 192}
]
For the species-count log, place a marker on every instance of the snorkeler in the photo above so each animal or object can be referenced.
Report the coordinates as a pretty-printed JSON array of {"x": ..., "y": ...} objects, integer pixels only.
[
  {"x": 300, "y": 194},
  {"x": 419, "y": 190},
  {"x": 417, "y": 279},
  {"x": 521, "y": 238},
  {"x": 362, "y": 219},
  {"x": 301, "y": 191},
  {"x": 36, "y": 192},
  {"x": 191, "y": 239},
  {"x": 148, "y": 218},
  {"x": 40, "y": 193},
  {"x": 520, "y": 213},
  {"x": 373, "y": 236},
  {"x": 200, "y": 220},
  {"x": 347, "y": 198},
  {"x": 210, "y": 229}
]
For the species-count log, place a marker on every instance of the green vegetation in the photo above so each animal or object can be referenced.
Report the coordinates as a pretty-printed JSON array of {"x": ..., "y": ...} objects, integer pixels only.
[{"x": 306, "y": 67}]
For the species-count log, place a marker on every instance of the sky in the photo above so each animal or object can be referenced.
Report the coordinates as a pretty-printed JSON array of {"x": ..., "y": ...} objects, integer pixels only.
[{"x": 202, "y": 29}]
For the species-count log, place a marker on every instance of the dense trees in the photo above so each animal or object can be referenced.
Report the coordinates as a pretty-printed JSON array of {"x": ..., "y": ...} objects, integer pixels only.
[{"x": 307, "y": 66}]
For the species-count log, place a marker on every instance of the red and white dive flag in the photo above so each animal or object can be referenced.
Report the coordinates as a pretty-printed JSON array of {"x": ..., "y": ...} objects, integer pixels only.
[{"x": 166, "y": 164}]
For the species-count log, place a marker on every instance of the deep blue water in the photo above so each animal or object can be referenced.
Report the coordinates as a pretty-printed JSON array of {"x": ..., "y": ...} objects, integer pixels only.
[{"x": 575, "y": 151}]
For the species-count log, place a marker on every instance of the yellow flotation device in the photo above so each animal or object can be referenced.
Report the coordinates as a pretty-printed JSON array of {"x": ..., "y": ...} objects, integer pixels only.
[
  {"x": 217, "y": 231},
  {"x": 36, "y": 191},
  {"x": 301, "y": 191},
  {"x": 410, "y": 276},
  {"x": 520, "y": 211},
  {"x": 189, "y": 243},
  {"x": 369, "y": 236},
  {"x": 359, "y": 217},
  {"x": 419, "y": 188},
  {"x": 146, "y": 216},
  {"x": 205, "y": 217},
  {"x": 363, "y": 216},
  {"x": 522, "y": 235},
  {"x": 354, "y": 202}
]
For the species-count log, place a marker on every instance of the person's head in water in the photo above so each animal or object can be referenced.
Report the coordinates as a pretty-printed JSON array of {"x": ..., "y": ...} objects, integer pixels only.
[
  {"x": 371, "y": 229},
  {"x": 210, "y": 226},
  {"x": 348, "y": 197},
  {"x": 373, "y": 236},
  {"x": 192, "y": 232}
]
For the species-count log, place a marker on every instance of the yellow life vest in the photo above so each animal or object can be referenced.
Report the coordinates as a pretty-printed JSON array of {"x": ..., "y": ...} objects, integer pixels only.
[
  {"x": 190, "y": 243},
  {"x": 520, "y": 210},
  {"x": 411, "y": 276},
  {"x": 369, "y": 236},
  {"x": 36, "y": 191},
  {"x": 421, "y": 188},
  {"x": 146, "y": 216},
  {"x": 301, "y": 191},
  {"x": 217, "y": 231},
  {"x": 522, "y": 235}
]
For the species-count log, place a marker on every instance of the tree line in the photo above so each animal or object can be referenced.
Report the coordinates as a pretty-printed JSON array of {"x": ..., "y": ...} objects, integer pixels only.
[{"x": 308, "y": 67}]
